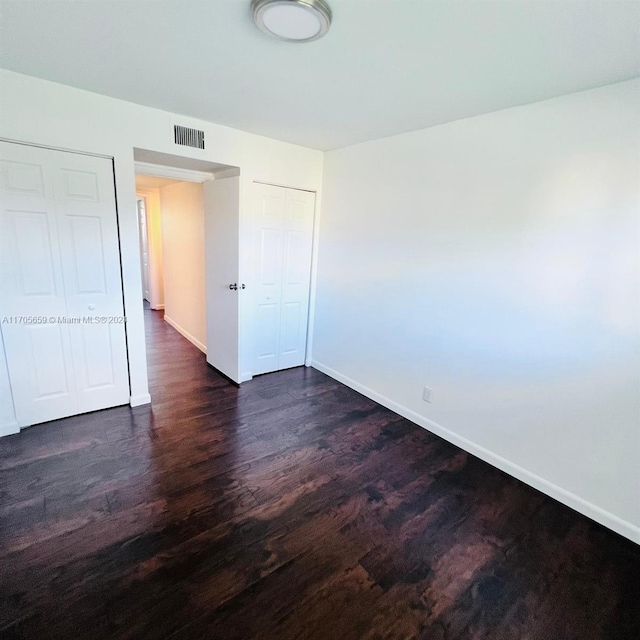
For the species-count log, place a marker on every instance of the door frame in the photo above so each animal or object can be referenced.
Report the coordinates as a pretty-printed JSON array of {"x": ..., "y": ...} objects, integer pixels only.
[
  {"x": 144, "y": 242},
  {"x": 180, "y": 174}
]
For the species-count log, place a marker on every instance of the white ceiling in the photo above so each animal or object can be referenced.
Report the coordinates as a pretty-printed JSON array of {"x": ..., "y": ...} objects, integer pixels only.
[{"x": 386, "y": 66}]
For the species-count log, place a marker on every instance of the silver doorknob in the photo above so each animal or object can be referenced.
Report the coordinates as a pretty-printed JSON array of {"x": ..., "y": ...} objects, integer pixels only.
[{"x": 92, "y": 307}]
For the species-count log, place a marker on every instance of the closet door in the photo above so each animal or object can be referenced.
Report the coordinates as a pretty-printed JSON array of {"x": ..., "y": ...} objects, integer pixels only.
[
  {"x": 88, "y": 230},
  {"x": 60, "y": 284},
  {"x": 296, "y": 277},
  {"x": 268, "y": 241},
  {"x": 283, "y": 242},
  {"x": 38, "y": 351}
]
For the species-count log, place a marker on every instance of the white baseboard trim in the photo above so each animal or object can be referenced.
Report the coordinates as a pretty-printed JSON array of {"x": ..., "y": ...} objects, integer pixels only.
[
  {"x": 9, "y": 429},
  {"x": 246, "y": 376},
  {"x": 609, "y": 520},
  {"x": 157, "y": 307},
  {"x": 186, "y": 334},
  {"x": 137, "y": 401}
]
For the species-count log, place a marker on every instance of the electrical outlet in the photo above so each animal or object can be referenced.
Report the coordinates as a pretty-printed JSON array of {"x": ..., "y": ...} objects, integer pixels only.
[{"x": 426, "y": 394}]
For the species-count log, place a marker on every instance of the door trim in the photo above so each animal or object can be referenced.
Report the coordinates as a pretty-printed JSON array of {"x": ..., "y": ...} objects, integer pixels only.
[
  {"x": 65, "y": 150},
  {"x": 175, "y": 173},
  {"x": 285, "y": 186}
]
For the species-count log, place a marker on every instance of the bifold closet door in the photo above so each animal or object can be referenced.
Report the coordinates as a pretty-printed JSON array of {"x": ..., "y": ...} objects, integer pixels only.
[
  {"x": 60, "y": 284},
  {"x": 283, "y": 245}
]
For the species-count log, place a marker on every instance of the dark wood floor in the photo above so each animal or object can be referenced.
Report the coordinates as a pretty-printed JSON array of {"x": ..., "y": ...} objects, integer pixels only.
[{"x": 292, "y": 507}]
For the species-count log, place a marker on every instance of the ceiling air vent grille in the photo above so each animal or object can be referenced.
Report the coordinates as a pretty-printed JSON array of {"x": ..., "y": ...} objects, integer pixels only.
[{"x": 188, "y": 137}]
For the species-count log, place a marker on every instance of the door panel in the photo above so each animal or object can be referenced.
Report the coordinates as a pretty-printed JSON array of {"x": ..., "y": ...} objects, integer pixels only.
[
  {"x": 295, "y": 263},
  {"x": 79, "y": 185},
  {"x": 21, "y": 178},
  {"x": 296, "y": 277},
  {"x": 283, "y": 238},
  {"x": 88, "y": 230},
  {"x": 48, "y": 360},
  {"x": 222, "y": 260},
  {"x": 88, "y": 264},
  {"x": 290, "y": 329},
  {"x": 270, "y": 258},
  {"x": 269, "y": 225},
  {"x": 32, "y": 252},
  {"x": 60, "y": 265},
  {"x": 267, "y": 332},
  {"x": 31, "y": 285},
  {"x": 98, "y": 370}
]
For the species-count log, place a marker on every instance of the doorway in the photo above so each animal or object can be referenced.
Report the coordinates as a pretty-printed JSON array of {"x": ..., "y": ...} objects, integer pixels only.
[
  {"x": 172, "y": 252},
  {"x": 192, "y": 220}
]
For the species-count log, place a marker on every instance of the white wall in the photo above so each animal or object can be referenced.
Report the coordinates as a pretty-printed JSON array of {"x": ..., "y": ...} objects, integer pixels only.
[
  {"x": 154, "y": 237},
  {"x": 496, "y": 260},
  {"x": 50, "y": 114},
  {"x": 182, "y": 209}
]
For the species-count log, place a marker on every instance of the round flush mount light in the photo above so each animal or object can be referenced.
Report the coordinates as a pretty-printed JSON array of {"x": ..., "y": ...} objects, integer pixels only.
[{"x": 292, "y": 20}]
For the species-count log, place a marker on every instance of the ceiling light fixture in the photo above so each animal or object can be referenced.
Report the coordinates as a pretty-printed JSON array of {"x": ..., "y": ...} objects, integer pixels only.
[{"x": 292, "y": 20}]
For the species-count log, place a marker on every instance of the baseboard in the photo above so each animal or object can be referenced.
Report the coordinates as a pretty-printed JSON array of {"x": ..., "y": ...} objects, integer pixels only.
[
  {"x": 186, "y": 334},
  {"x": 246, "y": 376},
  {"x": 157, "y": 307},
  {"x": 609, "y": 520},
  {"x": 9, "y": 429},
  {"x": 137, "y": 401}
]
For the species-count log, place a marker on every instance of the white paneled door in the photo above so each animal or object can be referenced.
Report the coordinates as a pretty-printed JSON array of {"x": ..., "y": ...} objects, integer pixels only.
[
  {"x": 222, "y": 259},
  {"x": 60, "y": 284},
  {"x": 283, "y": 242}
]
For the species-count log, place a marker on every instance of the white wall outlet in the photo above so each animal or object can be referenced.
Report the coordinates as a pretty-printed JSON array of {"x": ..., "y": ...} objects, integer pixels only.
[{"x": 426, "y": 394}]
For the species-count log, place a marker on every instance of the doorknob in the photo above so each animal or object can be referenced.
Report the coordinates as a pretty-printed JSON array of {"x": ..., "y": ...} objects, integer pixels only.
[
  {"x": 233, "y": 287},
  {"x": 92, "y": 307}
]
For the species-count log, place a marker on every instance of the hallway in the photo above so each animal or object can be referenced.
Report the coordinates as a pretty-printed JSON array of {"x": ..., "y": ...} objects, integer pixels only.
[{"x": 261, "y": 511}]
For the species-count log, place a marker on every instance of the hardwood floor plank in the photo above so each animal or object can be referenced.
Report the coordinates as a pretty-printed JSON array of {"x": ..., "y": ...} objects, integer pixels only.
[{"x": 288, "y": 507}]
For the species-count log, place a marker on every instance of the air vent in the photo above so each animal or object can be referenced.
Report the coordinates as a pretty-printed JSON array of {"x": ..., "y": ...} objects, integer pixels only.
[{"x": 188, "y": 137}]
